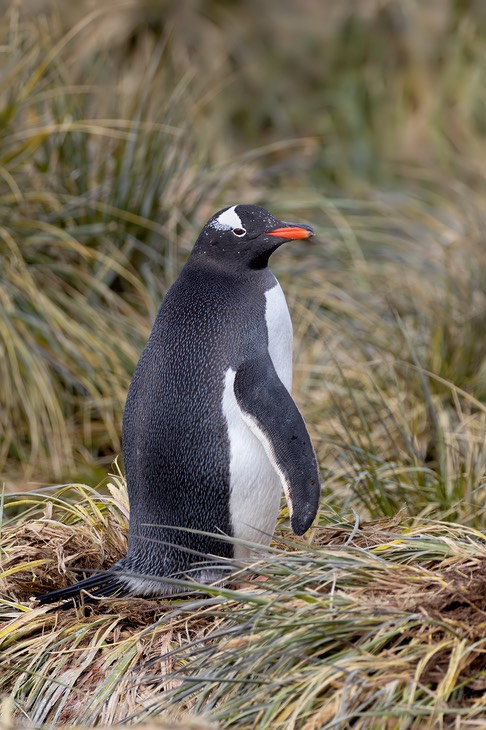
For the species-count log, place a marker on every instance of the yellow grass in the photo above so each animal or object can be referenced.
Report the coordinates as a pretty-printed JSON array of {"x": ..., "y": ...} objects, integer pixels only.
[{"x": 357, "y": 622}]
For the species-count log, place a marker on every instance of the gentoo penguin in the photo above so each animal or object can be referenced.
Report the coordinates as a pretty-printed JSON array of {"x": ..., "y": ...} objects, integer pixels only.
[{"x": 211, "y": 434}]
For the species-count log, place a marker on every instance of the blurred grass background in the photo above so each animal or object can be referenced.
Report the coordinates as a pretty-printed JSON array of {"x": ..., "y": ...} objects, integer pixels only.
[{"x": 124, "y": 125}]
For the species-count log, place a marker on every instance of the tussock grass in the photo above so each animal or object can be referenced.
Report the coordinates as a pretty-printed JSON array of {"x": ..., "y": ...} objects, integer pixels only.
[
  {"x": 123, "y": 127},
  {"x": 389, "y": 312},
  {"x": 120, "y": 134},
  {"x": 95, "y": 191},
  {"x": 358, "y": 625}
]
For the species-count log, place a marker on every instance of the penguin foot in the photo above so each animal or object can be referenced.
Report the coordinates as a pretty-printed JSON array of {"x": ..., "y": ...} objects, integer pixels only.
[{"x": 112, "y": 583}]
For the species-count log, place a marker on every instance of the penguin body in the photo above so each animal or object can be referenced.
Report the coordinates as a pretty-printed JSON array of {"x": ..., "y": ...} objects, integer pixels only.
[{"x": 211, "y": 434}]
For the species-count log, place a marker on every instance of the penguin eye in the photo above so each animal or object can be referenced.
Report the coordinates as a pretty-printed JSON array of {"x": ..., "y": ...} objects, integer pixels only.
[{"x": 239, "y": 232}]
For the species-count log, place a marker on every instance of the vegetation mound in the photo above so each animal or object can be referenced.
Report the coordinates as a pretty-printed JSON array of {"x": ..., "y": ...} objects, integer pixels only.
[{"x": 359, "y": 625}]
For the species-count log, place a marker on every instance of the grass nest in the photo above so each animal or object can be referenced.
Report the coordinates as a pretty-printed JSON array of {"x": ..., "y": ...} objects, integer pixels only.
[{"x": 359, "y": 625}]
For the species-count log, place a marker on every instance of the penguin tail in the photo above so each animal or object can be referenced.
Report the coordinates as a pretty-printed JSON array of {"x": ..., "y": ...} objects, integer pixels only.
[{"x": 99, "y": 585}]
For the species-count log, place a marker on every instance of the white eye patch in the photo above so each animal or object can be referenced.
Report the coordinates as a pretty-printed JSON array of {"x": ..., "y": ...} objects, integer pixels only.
[{"x": 227, "y": 220}]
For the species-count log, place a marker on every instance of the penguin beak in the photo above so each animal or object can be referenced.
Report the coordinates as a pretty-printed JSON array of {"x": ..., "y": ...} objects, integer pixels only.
[{"x": 292, "y": 231}]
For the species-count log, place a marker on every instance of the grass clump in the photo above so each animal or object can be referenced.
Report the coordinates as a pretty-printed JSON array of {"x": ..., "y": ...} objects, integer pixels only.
[{"x": 359, "y": 623}]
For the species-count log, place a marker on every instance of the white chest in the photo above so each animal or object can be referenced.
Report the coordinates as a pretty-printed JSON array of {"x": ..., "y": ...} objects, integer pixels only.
[{"x": 280, "y": 337}]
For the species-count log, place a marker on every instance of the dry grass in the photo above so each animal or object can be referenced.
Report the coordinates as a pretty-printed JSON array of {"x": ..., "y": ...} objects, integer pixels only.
[{"x": 358, "y": 623}]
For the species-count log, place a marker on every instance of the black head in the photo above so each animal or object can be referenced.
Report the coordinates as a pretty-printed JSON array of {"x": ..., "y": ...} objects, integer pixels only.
[{"x": 244, "y": 236}]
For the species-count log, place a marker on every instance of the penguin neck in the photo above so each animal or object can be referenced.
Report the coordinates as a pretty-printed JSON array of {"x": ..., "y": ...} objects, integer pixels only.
[{"x": 202, "y": 260}]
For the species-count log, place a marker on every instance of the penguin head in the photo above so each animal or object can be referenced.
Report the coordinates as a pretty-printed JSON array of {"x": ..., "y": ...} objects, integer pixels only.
[{"x": 245, "y": 236}]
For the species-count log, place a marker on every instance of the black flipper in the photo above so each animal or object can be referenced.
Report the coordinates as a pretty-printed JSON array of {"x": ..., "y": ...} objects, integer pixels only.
[{"x": 271, "y": 414}]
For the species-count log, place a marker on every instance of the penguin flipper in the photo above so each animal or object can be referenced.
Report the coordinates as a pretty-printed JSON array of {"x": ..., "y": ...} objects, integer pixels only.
[{"x": 271, "y": 414}]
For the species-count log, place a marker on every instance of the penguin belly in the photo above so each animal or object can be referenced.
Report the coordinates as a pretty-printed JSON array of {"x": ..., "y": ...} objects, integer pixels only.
[{"x": 255, "y": 484}]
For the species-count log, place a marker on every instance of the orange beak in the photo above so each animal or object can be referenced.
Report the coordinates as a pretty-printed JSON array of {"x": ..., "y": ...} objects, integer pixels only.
[{"x": 292, "y": 232}]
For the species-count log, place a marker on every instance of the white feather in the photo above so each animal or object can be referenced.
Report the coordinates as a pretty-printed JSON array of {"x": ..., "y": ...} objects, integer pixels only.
[
  {"x": 227, "y": 220},
  {"x": 280, "y": 336}
]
